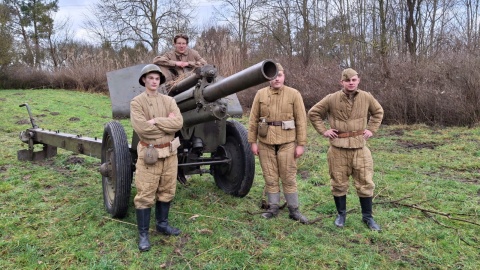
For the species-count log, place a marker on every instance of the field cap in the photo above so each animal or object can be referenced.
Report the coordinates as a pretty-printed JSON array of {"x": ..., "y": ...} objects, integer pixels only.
[{"x": 348, "y": 73}]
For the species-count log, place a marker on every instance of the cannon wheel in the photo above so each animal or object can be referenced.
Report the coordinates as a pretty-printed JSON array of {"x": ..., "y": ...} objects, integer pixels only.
[
  {"x": 117, "y": 184},
  {"x": 235, "y": 178}
]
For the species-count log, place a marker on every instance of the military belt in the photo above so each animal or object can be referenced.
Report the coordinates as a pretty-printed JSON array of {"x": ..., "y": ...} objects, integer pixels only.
[
  {"x": 349, "y": 134},
  {"x": 275, "y": 123},
  {"x": 163, "y": 145}
]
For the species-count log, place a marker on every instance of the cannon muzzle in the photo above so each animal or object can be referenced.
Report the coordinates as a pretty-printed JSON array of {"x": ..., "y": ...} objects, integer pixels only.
[{"x": 210, "y": 92}]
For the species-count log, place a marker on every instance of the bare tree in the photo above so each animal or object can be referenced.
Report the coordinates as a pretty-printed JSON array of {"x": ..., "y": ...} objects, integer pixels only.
[
  {"x": 384, "y": 47},
  {"x": 412, "y": 22},
  {"x": 275, "y": 28},
  {"x": 60, "y": 36},
  {"x": 471, "y": 23},
  {"x": 152, "y": 22},
  {"x": 304, "y": 30},
  {"x": 240, "y": 17}
]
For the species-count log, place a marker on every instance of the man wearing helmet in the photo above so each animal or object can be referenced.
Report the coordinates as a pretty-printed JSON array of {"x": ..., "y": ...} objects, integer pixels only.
[{"x": 155, "y": 118}]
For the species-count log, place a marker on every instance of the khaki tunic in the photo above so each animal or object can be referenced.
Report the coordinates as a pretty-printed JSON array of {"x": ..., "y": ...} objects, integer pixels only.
[
  {"x": 283, "y": 104},
  {"x": 349, "y": 156},
  {"x": 277, "y": 149},
  {"x": 167, "y": 61},
  {"x": 158, "y": 181}
]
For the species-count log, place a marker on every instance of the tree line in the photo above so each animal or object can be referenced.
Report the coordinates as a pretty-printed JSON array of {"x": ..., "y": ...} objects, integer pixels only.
[{"x": 418, "y": 57}]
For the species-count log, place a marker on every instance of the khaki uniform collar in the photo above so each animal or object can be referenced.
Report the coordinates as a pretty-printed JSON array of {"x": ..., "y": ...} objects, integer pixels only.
[
  {"x": 352, "y": 95},
  {"x": 182, "y": 54},
  {"x": 149, "y": 94},
  {"x": 275, "y": 91}
]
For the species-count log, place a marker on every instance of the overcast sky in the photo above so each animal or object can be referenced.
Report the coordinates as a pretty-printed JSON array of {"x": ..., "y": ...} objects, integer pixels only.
[{"x": 77, "y": 10}]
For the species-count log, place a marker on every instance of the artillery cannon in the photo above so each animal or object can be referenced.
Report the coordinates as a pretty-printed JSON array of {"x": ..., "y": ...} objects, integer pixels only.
[{"x": 210, "y": 142}]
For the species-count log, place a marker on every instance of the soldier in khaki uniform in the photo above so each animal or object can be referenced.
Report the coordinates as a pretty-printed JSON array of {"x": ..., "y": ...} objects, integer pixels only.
[
  {"x": 155, "y": 118},
  {"x": 279, "y": 122},
  {"x": 347, "y": 111},
  {"x": 176, "y": 62}
]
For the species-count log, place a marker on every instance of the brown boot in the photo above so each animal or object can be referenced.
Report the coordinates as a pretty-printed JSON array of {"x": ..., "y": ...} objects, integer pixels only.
[
  {"x": 292, "y": 202},
  {"x": 273, "y": 207}
]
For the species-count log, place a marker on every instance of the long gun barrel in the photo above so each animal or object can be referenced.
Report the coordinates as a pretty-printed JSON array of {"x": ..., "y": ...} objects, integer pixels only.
[
  {"x": 254, "y": 75},
  {"x": 185, "y": 84}
]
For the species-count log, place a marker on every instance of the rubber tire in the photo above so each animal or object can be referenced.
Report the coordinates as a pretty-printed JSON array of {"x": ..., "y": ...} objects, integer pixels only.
[
  {"x": 236, "y": 178},
  {"x": 117, "y": 187}
]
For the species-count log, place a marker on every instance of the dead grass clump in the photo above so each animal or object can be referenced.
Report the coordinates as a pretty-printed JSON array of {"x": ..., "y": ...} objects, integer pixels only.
[
  {"x": 86, "y": 66},
  {"x": 25, "y": 77},
  {"x": 217, "y": 47},
  {"x": 444, "y": 91}
]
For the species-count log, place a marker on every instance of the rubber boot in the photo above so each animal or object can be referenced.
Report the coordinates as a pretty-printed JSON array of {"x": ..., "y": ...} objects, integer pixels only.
[
  {"x": 341, "y": 204},
  {"x": 292, "y": 202},
  {"x": 367, "y": 217},
  {"x": 161, "y": 215},
  {"x": 143, "y": 224},
  {"x": 273, "y": 205}
]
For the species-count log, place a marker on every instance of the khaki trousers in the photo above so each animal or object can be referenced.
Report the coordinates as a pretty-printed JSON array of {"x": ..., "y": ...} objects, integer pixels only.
[
  {"x": 358, "y": 163},
  {"x": 155, "y": 182},
  {"x": 278, "y": 162}
]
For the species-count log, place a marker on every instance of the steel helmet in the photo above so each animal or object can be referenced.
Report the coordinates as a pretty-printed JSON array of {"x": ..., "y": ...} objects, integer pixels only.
[{"x": 148, "y": 69}]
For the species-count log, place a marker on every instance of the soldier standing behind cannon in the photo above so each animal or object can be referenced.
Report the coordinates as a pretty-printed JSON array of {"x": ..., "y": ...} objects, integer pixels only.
[
  {"x": 155, "y": 118},
  {"x": 176, "y": 62},
  {"x": 279, "y": 122},
  {"x": 348, "y": 111}
]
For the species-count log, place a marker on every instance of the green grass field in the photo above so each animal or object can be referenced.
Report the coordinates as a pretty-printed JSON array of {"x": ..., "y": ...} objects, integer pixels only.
[{"x": 52, "y": 214}]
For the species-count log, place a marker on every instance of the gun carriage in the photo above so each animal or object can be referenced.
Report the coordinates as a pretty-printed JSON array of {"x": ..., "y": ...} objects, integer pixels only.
[{"x": 210, "y": 141}]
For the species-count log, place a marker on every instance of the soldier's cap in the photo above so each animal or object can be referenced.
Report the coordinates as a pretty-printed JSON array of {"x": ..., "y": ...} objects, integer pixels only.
[
  {"x": 348, "y": 73},
  {"x": 279, "y": 67}
]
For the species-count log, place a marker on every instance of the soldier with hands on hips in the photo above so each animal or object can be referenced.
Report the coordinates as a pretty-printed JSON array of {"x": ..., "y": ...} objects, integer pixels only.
[{"x": 354, "y": 116}]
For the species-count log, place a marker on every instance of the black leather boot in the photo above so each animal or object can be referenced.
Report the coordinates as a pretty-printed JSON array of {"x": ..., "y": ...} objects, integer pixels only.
[
  {"x": 161, "y": 215},
  {"x": 341, "y": 204},
  {"x": 367, "y": 217},
  {"x": 143, "y": 224},
  {"x": 273, "y": 205}
]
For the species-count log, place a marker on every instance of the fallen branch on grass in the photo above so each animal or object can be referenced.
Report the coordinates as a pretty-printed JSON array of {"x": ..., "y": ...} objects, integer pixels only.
[
  {"x": 448, "y": 215},
  {"x": 424, "y": 210},
  {"x": 198, "y": 215}
]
